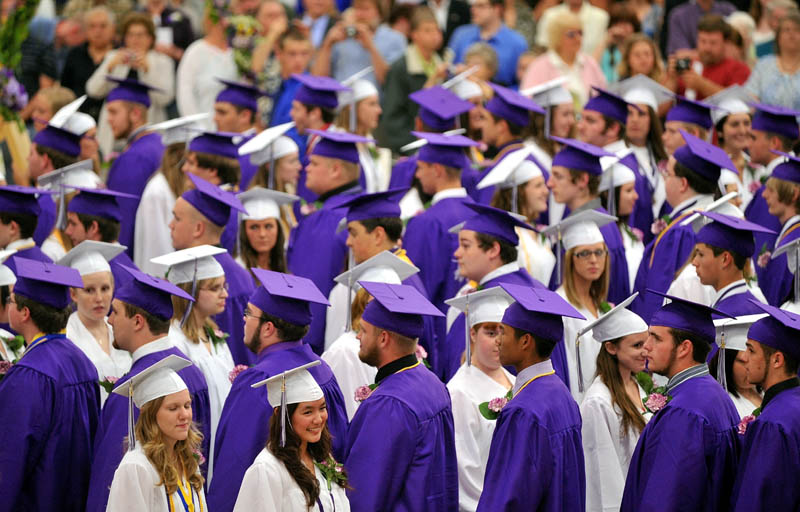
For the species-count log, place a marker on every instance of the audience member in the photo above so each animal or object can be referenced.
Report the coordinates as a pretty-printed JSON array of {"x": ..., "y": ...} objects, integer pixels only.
[
  {"x": 776, "y": 78},
  {"x": 683, "y": 20},
  {"x": 622, "y": 23},
  {"x": 450, "y": 14},
  {"x": 593, "y": 20}
]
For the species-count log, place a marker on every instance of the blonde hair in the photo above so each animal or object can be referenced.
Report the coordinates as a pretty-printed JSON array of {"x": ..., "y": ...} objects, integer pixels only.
[
  {"x": 558, "y": 26},
  {"x": 152, "y": 440},
  {"x": 194, "y": 327},
  {"x": 598, "y": 290},
  {"x": 57, "y": 96},
  {"x": 357, "y": 308}
]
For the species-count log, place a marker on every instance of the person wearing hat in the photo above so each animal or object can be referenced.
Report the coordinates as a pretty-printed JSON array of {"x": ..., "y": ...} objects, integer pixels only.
[
  {"x": 95, "y": 214},
  {"x": 698, "y": 470},
  {"x": 263, "y": 229},
  {"x": 151, "y": 228},
  {"x": 690, "y": 185},
  {"x": 767, "y": 470},
  {"x": 88, "y": 326},
  {"x": 19, "y": 216},
  {"x": 479, "y": 379},
  {"x": 574, "y": 180},
  {"x": 277, "y": 157},
  {"x": 612, "y": 410},
  {"x": 161, "y": 456},
  {"x": 401, "y": 445},
  {"x": 235, "y": 111},
  {"x": 535, "y": 456},
  {"x": 693, "y": 117},
  {"x": 49, "y": 399},
  {"x": 140, "y": 318},
  {"x": 199, "y": 218},
  {"x": 126, "y": 109},
  {"x": 299, "y": 446},
  {"x": 728, "y": 361},
  {"x": 276, "y": 320},
  {"x": 12, "y": 345}
]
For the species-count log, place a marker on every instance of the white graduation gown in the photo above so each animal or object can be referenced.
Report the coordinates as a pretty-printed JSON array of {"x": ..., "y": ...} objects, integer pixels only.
[
  {"x": 216, "y": 368},
  {"x": 336, "y": 314},
  {"x": 634, "y": 251},
  {"x": 588, "y": 350},
  {"x": 151, "y": 235},
  {"x": 116, "y": 364},
  {"x": 534, "y": 255},
  {"x": 351, "y": 373},
  {"x": 606, "y": 452},
  {"x": 135, "y": 488},
  {"x": 743, "y": 406},
  {"x": 267, "y": 485},
  {"x": 468, "y": 388}
]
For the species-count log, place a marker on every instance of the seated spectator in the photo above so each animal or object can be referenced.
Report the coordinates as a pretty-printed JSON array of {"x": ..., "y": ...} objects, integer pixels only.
[
  {"x": 744, "y": 26},
  {"x": 485, "y": 58},
  {"x": 119, "y": 7},
  {"x": 47, "y": 102},
  {"x": 565, "y": 58},
  {"x": 400, "y": 19},
  {"x": 776, "y": 78},
  {"x": 622, "y": 23},
  {"x": 641, "y": 56},
  {"x": 684, "y": 19},
  {"x": 318, "y": 18},
  {"x": 353, "y": 44},
  {"x": 767, "y": 14},
  {"x": 450, "y": 14},
  {"x": 173, "y": 29},
  {"x": 487, "y": 26},
  {"x": 593, "y": 20}
]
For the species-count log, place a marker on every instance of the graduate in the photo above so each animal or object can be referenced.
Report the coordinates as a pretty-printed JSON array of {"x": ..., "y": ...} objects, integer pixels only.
[
  {"x": 126, "y": 107},
  {"x": 193, "y": 331},
  {"x": 19, "y": 216},
  {"x": 691, "y": 182},
  {"x": 316, "y": 250},
  {"x": 88, "y": 326},
  {"x": 276, "y": 320},
  {"x": 768, "y": 468},
  {"x": 199, "y": 218},
  {"x": 722, "y": 260},
  {"x": 401, "y": 445},
  {"x": 160, "y": 460},
  {"x": 687, "y": 454},
  {"x": 535, "y": 459},
  {"x": 277, "y": 157},
  {"x": 296, "y": 469},
  {"x": 693, "y": 117},
  {"x": 486, "y": 256},
  {"x": 235, "y": 111},
  {"x": 728, "y": 363},
  {"x": 263, "y": 231},
  {"x": 49, "y": 399},
  {"x": 480, "y": 378},
  {"x": 574, "y": 181},
  {"x": 612, "y": 410},
  {"x": 12, "y": 345}
]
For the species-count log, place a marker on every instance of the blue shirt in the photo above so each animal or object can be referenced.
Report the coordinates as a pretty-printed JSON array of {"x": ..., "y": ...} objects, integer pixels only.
[
  {"x": 282, "y": 108},
  {"x": 507, "y": 43},
  {"x": 349, "y": 57}
]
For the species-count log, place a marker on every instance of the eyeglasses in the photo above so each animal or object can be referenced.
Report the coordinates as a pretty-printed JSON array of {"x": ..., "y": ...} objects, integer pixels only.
[
  {"x": 217, "y": 288},
  {"x": 249, "y": 313},
  {"x": 573, "y": 33},
  {"x": 597, "y": 253}
]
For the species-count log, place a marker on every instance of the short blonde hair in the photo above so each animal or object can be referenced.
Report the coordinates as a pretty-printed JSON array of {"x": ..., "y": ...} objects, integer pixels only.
[
  {"x": 559, "y": 24},
  {"x": 57, "y": 96}
]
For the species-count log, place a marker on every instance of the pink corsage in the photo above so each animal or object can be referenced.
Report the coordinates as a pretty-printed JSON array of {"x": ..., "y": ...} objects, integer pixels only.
[
  {"x": 754, "y": 186},
  {"x": 638, "y": 233},
  {"x": 108, "y": 383},
  {"x": 763, "y": 258},
  {"x": 497, "y": 404},
  {"x": 198, "y": 455},
  {"x": 742, "y": 428},
  {"x": 363, "y": 392},
  {"x": 308, "y": 209},
  {"x": 239, "y": 368},
  {"x": 658, "y": 226},
  {"x": 491, "y": 409},
  {"x": 655, "y": 402},
  {"x": 4, "y": 367},
  {"x": 421, "y": 353}
]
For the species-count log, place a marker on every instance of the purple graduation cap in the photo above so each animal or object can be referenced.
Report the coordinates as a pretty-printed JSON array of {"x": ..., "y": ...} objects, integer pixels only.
[
  {"x": 703, "y": 158},
  {"x": 210, "y": 200},
  {"x": 788, "y": 170},
  {"x": 46, "y": 283},
  {"x": 150, "y": 293},
  {"x": 691, "y": 111},
  {"x": 537, "y": 311},
  {"x": 59, "y": 139},
  {"x": 318, "y": 90},
  {"x": 216, "y": 143},
  {"x": 775, "y": 119},
  {"x": 339, "y": 145},
  {"x": 397, "y": 308},
  {"x": 240, "y": 94},
  {"x": 780, "y": 330},
  {"x": 512, "y": 106},
  {"x": 286, "y": 296},
  {"x": 730, "y": 233},
  {"x": 374, "y": 206},
  {"x": 579, "y": 155},
  {"x": 439, "y": 108},
  {"x": 101, "y": 202},
  {"x": 128, "y": 89},
  {"x": 19, "y": 199},
  {"x": 687, "y": 316},
  {"x": 609, "y": 104},
  {"x": 447, "y": 150},
  {"x": 494, "y": 222}
]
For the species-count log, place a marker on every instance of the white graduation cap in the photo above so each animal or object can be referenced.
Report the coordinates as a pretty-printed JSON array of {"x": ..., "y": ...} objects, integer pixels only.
[
  {"x": 79, "y": 174},
  {"x": 550, "y": 93},
  {"x": 181, "y": 129},
  {"x": 792, "y": 252},
  {"x": 479, "y": 307},
  {"x": 733, "y": 100},
  {"x": 291, "y": 387},
  {"x": 641, "y": 89},
  {"x": 514, "y": 169},
  {"x": 463, "y": 88},
  {"x": 359, "y": 89},
  {"x": 618, "y": 322},
  {"x": 263, "y": 203},
  {"x": 421, "y": 142},
  {"x": 270, "y": 145},
  {"x": 721, "y": 205},
  {"x": 90, "y": 256},
  {"x": 615, "y": 173},
  {"x": 62, "y": 117},
  {"x": 157, "y": 380},
  {"x": 7, "y": 276},
  {"x": 732, "y": 334},
  {"x": 79, "y": 123}
]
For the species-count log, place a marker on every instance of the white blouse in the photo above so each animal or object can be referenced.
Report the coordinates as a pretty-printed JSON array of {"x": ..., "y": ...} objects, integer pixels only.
[
  {"x": 743, "y": 406},
  {"x": 535, "y": 255},
  {"x": 634, "y": 252},
  {"x": 351, "y": 373},
  {"x": 151, "y": 235},
  {"x": 588, "y": 349}
]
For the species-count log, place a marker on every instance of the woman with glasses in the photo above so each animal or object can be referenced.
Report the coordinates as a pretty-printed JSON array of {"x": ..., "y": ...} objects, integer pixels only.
[{"x": 193, "y": 330}]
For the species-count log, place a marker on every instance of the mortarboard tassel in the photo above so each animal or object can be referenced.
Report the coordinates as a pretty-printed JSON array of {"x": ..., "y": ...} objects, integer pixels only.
[
  {"x": 61, "y": 221},
  {"x": 721, "y": 377},
  {"x": 578, "y": 361},
  {"x": 353, "y": 115},
  {"x": 283, "y": 410},
  {"x": 194, "y": 290},
  {"x": 350, "y": 264},
  {"x": 271, "y": 173},
  {"x": 558, "y": 259},
  {"x": 515, "y": 199},
  {"x": 131, "y": 425},
  {"x": 547, "y": 115},
  {"x": 796, "y": 297},
  {"x": 468, "y": 350},
  {"x": 612, "y": 203}
]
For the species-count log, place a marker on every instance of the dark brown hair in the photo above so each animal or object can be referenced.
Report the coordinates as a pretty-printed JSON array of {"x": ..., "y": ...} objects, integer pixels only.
[
  {"x": 108, "y": 228},
  {"x": 700, "y": 346},
  {"x": 714, "y": 23},
  {"x": 228, "y": 169},
  {"x": 154, "y": 323},
  {"x": 608, "y": 370},
  {"x": 277, "y": 258},
  {"x": 508, "y": 252},
  {"x": 594, "y": 180},
  {"x": 138, "y": 18},
  {"x": 27, "y": 223},
  {"x": 48, "y": 319},
  {"x": 57, "y": 158}
]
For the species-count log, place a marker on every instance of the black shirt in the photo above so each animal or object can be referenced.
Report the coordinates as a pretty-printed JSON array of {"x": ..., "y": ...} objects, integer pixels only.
[
  {"x": 78, "y": 68},
  {"x": 777, "y": 388},
  {"x": 395, "y": 366}
]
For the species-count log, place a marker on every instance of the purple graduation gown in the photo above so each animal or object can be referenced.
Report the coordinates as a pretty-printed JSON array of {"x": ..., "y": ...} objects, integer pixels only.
[
  {"x": 757, "y": 211},
  {"x": 738, "y": 304},
  {"x": 775, "y": 280},
  {"x": 109, "y": 445},
  {"x": 129, "y": 173},
  {"x": 49, "y": 409},
  {"x": 536, "y": 455},
  {"x": 401, "y": 452},
  {"x": 240, "y": 288},
  {"x": 431, "y": 247},
  {"x": 403, "y": 172},
  {"x": 32, "y": 253},
  {"x": 428, "y": 340},
  {"x": 642, "y": 215},
  {"x": 243, "y": 428},
  {"x": 46, "y": 220},
  {"x": 687, "y": 454},
  {"x": 770, "y": 464},
  {"x": 316, "y": 251}
]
